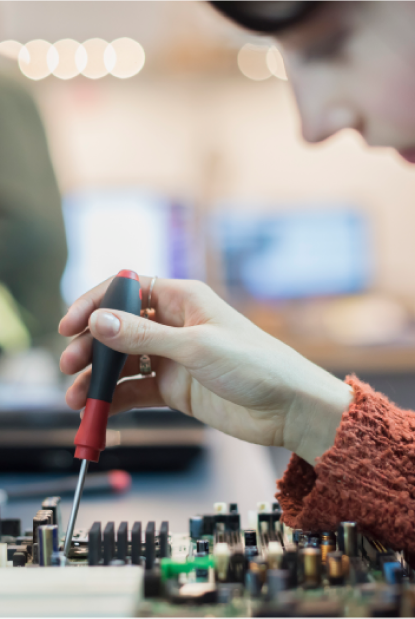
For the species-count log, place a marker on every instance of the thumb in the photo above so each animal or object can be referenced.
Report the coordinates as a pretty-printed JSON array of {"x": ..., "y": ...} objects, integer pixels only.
[{"x": 136, "y": 336}]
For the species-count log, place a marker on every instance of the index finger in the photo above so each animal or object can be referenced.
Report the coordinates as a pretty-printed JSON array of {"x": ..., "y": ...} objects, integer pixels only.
[
  {"x": 169, "y": 298},
  {"x": 76, "y": 319}
]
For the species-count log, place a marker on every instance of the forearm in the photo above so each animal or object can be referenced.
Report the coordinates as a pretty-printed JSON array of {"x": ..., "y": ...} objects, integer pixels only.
[
  {"x": 367, "y": 476},
  {"x": 316, "y": 410}
]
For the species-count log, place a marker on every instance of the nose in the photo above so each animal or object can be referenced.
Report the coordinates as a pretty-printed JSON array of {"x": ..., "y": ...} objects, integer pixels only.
[{"x": 325, "y": 119}]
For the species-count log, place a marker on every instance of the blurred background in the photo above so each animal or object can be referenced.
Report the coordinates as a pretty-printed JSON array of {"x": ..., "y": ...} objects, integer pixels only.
[{"x": 171, "y": 145}]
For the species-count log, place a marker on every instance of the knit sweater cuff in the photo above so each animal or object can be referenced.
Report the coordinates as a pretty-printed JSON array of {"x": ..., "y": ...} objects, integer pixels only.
[{"x": 368, "y": 476}]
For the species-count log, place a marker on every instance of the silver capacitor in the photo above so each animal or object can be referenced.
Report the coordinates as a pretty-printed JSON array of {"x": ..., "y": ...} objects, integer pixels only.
[
  {"x": 53, "y": 503},
  {"x": 347, "y": 538},
  {"x": 41, "y": 519},
  {"x": 48, "y": 513},
  {"x": 48, "y": 543}
]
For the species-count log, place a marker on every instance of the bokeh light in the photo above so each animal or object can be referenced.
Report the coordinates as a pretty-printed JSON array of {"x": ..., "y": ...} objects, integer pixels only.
[
  {"x": 72, "y": 59},
  {"x": 10, "y": 49},
  {"x": 275, "y": 63},
  {"x": 95, "y": 66},
  {"x": 67, "y": 58},
  {"x": 252, "y": 62},
  {"x": 37, "y": 59},
  {"x": 129, "y": 57}
]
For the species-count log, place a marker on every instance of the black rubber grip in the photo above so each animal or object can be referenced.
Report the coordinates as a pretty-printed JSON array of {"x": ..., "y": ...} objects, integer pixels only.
[{"x": 122, "y": 294}]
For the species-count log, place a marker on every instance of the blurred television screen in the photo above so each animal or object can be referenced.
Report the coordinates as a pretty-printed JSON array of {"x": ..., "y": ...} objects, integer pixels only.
[
  {"x": 113, "y": 229},
  {"x": 291, "y": 255}
]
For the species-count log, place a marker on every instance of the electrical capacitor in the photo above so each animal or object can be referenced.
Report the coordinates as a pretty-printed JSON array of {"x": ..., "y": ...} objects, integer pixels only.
[
  {"x": 290, "y": 563},
  {"x": 312, "y": 566},
  {"x": 347, "y": 538},
  {"x": 328, "y": 544},
  {"x": 277, "y": 581},
  {"x": 54, "y": 503},
  {"x": 253, "y": 584},
  {"x": 335, "y": 567},
  {"x": 238, "y": 565},
  {"x": 259, "y": 565},
  {"x": 48, "y": 543},
  {"x": 39, "y": 520},
  {"x": 48, "y": 513}
]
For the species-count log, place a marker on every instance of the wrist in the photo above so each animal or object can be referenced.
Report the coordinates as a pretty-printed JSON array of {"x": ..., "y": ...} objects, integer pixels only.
[{"x": 315, "y": 413}]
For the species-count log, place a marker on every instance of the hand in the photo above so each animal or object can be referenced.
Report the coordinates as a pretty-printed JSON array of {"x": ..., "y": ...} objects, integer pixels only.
[{"x": 210, "y": 362}]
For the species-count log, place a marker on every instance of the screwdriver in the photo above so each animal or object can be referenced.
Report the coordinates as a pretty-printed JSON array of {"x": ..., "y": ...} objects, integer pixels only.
[{"x": 124, "y": 293}]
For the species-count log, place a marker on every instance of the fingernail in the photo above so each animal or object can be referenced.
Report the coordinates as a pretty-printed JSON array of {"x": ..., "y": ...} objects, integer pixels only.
[
  {"x": 81, "y": 413},
  {"x": 105, "y": 324}
]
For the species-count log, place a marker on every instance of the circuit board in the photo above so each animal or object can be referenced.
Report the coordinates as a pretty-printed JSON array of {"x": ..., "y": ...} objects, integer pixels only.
[{"x": 216, "y": 569}]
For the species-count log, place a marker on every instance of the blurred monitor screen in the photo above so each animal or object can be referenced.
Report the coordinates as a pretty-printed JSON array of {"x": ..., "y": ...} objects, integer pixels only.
[
  {"x": 294, "y": 254},
  {"x": 114, "y": 229}
]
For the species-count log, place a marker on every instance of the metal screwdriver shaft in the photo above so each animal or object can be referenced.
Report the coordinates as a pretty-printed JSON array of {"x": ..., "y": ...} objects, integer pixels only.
[{"x": 75, "y": 507}]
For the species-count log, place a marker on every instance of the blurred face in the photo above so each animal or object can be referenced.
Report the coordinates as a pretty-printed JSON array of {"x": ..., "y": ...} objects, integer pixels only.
[{"x": 352, "y": 65}]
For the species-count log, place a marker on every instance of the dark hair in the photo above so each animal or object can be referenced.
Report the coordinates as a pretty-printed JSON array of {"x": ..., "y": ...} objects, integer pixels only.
[{"x": 265, "y": 16}]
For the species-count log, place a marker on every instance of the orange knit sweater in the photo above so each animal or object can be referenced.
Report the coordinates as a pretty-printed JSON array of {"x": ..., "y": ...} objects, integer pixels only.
[{"x": 368, "y": 476}]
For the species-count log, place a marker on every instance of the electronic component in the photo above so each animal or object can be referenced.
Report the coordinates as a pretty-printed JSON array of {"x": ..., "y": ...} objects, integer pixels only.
[
  {"x": 150, "y": 545},
  {"x": 54, "y": 504},
  {"x": 163, "y": 540},
  {"x": 328, "y": 544},
  {"x": 136, "y": 543},
  {"x": 94, "y": 544},
  {"x": 252, "y": 572},
  {"x": 196, "y": 527},
  {"x": 222, "y": 555},
  {"x": 48, "y": 543},
  {"x": 122, "y": 541},
  {"x": 19, "y": 559},
  {"x": 335, "y": 567},
  {"x": 311, "y": 558},
  {"x": 253, "y": 583},
  {"x": 10, "y": 526},
  {"x": 277, "y": 581},
  {"x": 347, "y": 538},
  {"x": 109, "y": 543},
  {"x": 274, "y": 555},
  {"x": 251, "y": 548}
]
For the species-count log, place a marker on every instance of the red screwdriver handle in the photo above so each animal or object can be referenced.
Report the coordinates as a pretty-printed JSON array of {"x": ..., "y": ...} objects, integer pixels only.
[{"x": 124, "y": 293}]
